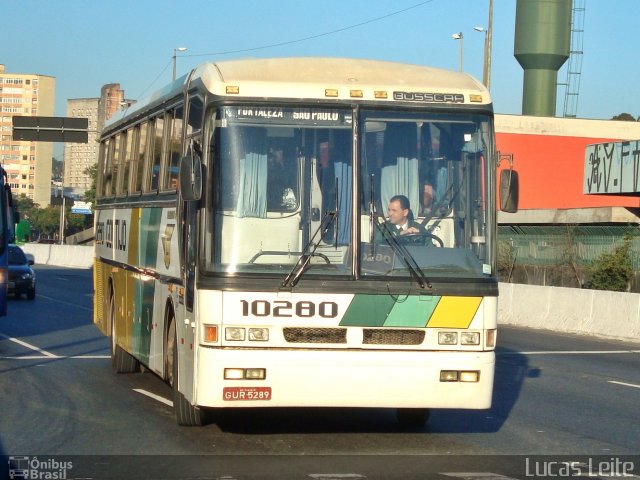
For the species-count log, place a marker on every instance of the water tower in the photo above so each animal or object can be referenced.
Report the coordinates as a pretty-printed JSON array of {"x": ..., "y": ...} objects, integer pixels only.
[{"x": 542, "y": 42}]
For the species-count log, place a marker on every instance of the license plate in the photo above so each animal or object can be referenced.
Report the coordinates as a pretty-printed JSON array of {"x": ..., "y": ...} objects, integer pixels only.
[{"x": 246, "y": 393}]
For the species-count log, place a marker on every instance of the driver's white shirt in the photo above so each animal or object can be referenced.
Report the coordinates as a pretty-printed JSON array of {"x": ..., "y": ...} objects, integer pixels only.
[{"x": 404, "y": 226}]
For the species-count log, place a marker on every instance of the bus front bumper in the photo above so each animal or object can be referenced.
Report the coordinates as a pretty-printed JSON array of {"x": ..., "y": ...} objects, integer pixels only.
[{"x": 345, "y": 378}]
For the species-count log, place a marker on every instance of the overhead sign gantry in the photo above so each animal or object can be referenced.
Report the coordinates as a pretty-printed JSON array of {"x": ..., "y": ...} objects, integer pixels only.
[{"x": 50, "y": 129}]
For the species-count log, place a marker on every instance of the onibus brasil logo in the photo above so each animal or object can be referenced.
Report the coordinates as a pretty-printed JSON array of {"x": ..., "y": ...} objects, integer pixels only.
[{"x": 35, "y": 468}]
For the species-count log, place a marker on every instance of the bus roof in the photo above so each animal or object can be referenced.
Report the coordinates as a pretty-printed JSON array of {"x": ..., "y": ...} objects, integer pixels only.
[{"x": 315, "y": 78}]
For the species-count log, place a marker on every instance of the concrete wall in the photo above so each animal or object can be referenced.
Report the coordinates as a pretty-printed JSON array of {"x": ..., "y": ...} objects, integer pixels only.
[
  {"x": 76, "y": 256},
  {"x": 571, "y": 310}
]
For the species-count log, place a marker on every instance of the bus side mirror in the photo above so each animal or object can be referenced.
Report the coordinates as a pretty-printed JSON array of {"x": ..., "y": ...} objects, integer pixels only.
[
  {"x": 509, "y": 191},
  {"x": 191, "y": 178}
]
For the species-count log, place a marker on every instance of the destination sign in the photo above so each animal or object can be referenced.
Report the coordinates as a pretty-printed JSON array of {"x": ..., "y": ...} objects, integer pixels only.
[{"x": 288, "y": 116}]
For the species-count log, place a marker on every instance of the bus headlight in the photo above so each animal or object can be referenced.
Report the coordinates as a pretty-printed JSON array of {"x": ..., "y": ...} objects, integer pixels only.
[
  {"x": 234, "y": 334},
  {"x": 449, "y": 375},
  {"x": 258, "y": 334},
  {"x": 447, "y": 338},
  {"x": 245, "y": 373},
  {"x": 470, "y": 338},
  {"x": 468, "y": 376}
]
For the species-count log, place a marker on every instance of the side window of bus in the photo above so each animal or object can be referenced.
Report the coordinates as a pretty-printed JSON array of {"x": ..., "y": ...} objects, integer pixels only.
[
  {"x": 156, "y": 154},
  {"x": 174, "y": 148},
  {"x": 115, "y": 165},
  {"x": 134, "y": 133},
  {"x": 104, "y": 172},
  {"x": 127, "y": 147},
  {"x": 139, "y": 156}
]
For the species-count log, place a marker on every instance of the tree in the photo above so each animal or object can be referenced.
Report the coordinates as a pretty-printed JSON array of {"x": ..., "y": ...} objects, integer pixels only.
[
  {"x": 90, "y": 194},
  {"x": 75, "y": 222},
  {"x": 25, "y": 206},
  {"x": 57, "y": 169},
  {"x": 47, "y": 220},
  {"x": 625, "y": 117},
  {"x": 613, "y": 271}
]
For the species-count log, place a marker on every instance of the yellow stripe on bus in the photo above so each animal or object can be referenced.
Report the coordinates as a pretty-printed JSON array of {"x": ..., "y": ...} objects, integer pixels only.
[{"x": 454, "y": 312}]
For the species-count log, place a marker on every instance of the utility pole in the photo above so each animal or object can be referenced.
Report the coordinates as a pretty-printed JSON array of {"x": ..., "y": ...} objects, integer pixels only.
[
  {"x": 488, "y": 40},
  {"x": 63, "y": 205}
]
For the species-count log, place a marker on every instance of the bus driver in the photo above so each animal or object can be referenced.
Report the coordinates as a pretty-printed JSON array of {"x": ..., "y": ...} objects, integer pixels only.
[{"x": 400, "y": 217}]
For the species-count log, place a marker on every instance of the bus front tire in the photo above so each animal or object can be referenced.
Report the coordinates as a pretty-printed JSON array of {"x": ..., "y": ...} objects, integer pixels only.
[
  {"x": 186, "y": 414},
  {"x": 412, "y": 417}
]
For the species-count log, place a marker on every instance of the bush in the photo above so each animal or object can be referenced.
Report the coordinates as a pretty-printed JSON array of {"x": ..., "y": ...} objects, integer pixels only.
[{"x": 613, "y": 271}]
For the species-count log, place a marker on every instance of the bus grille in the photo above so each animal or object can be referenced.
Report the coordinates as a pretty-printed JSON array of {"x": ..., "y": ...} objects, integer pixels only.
[
  {"x": 392, "y": 337},
  {"x": 315, "y": 335}
]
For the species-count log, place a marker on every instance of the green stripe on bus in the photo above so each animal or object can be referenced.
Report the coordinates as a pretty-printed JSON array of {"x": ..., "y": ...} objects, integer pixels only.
[
  {"x": 367, "y": 311},
  {"x": 147, "y": 248},
  {"x": 149, "y": 235},
  {"x": 412, "y": 311}
]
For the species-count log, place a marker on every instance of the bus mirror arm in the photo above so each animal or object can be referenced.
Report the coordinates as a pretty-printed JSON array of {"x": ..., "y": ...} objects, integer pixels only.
[{"x": 191, "y": 177}]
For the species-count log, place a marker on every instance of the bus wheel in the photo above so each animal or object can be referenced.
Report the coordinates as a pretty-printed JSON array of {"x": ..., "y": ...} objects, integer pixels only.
[
  {"x": 412, "y": 417},
  {"x": 186, "y": 414},
  {"x": 121, "y": 361}
]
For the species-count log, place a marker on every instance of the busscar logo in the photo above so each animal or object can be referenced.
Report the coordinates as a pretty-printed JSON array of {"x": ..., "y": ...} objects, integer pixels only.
[
  {"x": 428, "y": 97},
  {"x": 41, "y": 469}
]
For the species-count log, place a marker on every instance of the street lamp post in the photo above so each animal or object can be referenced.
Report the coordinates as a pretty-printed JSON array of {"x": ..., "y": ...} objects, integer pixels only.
[
  {"x": 459, "y": 36},
  {"x": 485, "y": 74},
  {"x": 486, "y": 69},
  {"x": 63, "y": 207},
  {"x": 175, "y": 51}
]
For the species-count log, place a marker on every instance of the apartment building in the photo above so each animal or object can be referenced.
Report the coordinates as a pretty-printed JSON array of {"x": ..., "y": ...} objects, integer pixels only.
[
  {"x": 79, "y": 156},
  {"x": 28, "y": 164}
]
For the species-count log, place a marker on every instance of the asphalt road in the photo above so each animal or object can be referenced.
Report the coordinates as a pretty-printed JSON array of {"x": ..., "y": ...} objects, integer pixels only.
[{"x": 556, "y": 398}]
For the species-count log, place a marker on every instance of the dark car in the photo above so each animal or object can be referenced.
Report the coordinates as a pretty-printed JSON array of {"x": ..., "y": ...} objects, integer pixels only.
[{"x": 22, "y": 278}]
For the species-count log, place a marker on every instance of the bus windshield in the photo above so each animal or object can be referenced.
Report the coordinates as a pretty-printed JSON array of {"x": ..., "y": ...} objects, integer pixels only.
[
  {"x": 279, "y": 172},
  {"x": 284, "y": 189},
  {"x": 425, "y": 198}
]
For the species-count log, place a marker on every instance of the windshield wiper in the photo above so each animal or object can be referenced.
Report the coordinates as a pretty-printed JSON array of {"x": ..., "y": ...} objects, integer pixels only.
[
  {"x": 406, "y": 257},
  {"x": 304, "y": 259}
]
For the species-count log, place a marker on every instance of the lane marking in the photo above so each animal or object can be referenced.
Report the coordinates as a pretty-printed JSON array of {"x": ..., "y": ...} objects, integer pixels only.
[
  {"x": 154, "y": 396},
  {"x": 569, "y": 352},
  {"x": 65, "y": 303},
  {"x": 29, "y": 346},
  {"x": 57, "y": 357},
  {"x": 335, "y": 476},
  {"x": 90, "y": 357},
  {"x": 624, "y": 384},
  {"x": 477, "y": 475}
]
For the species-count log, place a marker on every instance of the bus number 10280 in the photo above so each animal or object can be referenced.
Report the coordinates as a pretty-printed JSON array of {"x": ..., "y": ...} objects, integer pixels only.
[{"x": 284, "y": 308}]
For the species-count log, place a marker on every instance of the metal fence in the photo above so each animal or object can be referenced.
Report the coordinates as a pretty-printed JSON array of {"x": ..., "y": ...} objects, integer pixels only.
[{"x": 564, "y": 244}]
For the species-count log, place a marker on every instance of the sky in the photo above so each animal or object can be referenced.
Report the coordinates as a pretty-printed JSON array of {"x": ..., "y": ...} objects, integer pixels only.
[{"x": 88, "y": 43}]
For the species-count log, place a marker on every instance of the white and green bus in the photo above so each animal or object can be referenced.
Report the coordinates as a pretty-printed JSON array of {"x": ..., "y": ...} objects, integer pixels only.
[{"x": 242, "y": 251}]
